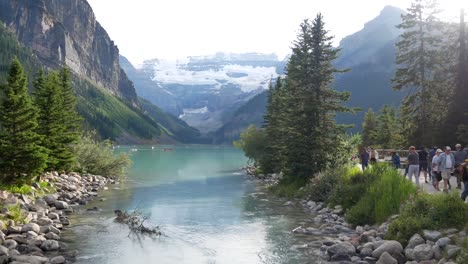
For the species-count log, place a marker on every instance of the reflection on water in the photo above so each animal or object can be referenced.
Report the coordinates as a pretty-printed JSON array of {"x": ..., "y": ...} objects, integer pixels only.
[{"x": 209, "y": 212}]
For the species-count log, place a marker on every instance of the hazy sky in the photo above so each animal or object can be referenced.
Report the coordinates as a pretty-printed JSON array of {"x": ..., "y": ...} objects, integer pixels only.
[{"x": 145, "y": 29}]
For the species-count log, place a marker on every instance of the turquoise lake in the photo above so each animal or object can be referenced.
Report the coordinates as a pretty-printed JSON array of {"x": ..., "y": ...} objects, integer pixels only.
[{"x": 208, "y": 210}]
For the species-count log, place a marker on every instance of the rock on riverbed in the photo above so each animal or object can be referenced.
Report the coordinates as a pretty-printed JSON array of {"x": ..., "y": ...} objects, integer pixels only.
[{"x": 39, "y": 238}]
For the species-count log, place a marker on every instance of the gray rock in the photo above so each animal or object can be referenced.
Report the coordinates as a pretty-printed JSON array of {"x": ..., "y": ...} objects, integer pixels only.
[
  {"x": 340, "y": 257},
  {"x": 423, "y": 252},
  {"x": 50, "y": 199},
  {"x": 57, "y": 260},
  {"x": 343, "y": 248},
  {"x": 390, "y": 247},
  {"x": 14, "y": 229},
  {"x": 31, "y": 227},
  {"x": 44, "y": 221},
  {"x": 400, "y": 258},
  {"x": 50, "y": 245},
  {"x": 414, "y": 241},
  {"x": 37, "y": 241},
  {"x": 366, "y": 252},
  {"x": 10, "y": 243},
  {"x": 52, "y": 236},
  {"x": 61, "y": 205},
  {"x": 4, "y": 259},
  {"x": 442, "y": 261},
  {"x": 437, "y": 252},
  {"x": 444, "y": 241},
  {"x": 4, "y": 251},
  {"x": 385, "y": 258},
  {"x": 452, "y": 251},
  {"x": 432, "y": 235},
  {"x": 315, "y": 244},
  {"x": 53, "y": 216},
  {"x": 54, "y": 230},
  {"x": 29, "y": 259},
  {"x": 30, "y": 234}
]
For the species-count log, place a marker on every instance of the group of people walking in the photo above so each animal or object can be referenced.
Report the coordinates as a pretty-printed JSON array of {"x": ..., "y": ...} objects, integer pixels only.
[{"x": 436, "y": 164}]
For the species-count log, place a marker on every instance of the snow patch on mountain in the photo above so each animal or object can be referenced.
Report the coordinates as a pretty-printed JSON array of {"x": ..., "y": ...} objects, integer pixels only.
[{"x": 248, "y": 78}]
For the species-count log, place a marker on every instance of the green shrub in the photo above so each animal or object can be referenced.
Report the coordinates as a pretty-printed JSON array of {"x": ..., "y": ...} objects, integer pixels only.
[
  {"x": 17, "y": 188},
  {"x": 320, "y": 187},
  {"x": 425, "y": 211},
  {"x": 15, "y": 213},
  {"x": 463, "y": 256},
  {"x": 352, "y": 185},
  {"x": 97, "y": 157},
  {"x": 383, "y": 197},
  {"x": 253, "y": 142},
  {"x": 288, "y": 189}
]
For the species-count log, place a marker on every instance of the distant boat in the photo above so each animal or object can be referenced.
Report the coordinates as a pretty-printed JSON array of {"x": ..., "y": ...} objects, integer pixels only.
[{"x": 152, "y": 147}]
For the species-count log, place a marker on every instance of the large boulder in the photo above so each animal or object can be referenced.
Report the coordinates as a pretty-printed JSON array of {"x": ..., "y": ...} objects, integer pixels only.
[
  {"x": 50, "y": 199},
  {"x": 423, "y": 252},
  {"x": 29, "y": 259},
  {"x": 31, "y": 227},
  {"x": 444, "y": 241},
  {"x": 452, "y": 251},
  {"x": 57, "y": 260},
  {"x": 61, "y": 205},
  {"x": 343, "y": 248},
  {"x": 415, "y": 240},
  {"x": 50, "y": 245},
  {"x": 44, "y": 221},
  {"x": 432, "y": 235},
  {"x": 4, "y": 251},
  {"x": 10, "y": 244},
  {"x": 390, "y": 247},
  {"x": 385, "y": 258}
]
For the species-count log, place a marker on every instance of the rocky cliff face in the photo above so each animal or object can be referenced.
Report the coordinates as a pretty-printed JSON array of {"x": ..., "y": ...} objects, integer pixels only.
[{"x": 65, "y": 32}]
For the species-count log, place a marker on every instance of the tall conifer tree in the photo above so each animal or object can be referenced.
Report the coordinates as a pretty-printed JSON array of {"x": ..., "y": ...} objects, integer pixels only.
[
  {"x": 311, "y": 130},
  {"x": 19, "y": 152},
  {"x": 417, "y": 60}
]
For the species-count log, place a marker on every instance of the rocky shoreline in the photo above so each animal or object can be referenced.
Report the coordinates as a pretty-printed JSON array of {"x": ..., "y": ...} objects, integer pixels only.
[
  {"x": 343, "y": 243},
  {"x": 37, "y": 239}
]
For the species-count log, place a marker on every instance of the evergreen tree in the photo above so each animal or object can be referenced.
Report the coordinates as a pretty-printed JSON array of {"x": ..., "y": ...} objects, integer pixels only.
[
  {"x": 271, "y": 161},
  {"x": 20, "y": 154},
  {"x": 369, "y": 128},
  {"x": 48, "y": 100},
  {"x": 457, "y": 119},
  {"x": 310, "y": 128},
  {"x": 70, "y": 120},
  {"x": 417, "y": 58}
]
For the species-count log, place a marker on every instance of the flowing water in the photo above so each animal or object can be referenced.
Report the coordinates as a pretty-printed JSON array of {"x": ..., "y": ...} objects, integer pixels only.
[{"x": 209, "y": 211}]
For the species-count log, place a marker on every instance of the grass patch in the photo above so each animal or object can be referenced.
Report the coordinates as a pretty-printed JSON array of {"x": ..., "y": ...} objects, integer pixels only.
[
  {"x": 14, "y": 213},
  {"x": 382, "y": 198},
  {"x": 463, "y": 256},
  {"x": 424, "y": 211}
]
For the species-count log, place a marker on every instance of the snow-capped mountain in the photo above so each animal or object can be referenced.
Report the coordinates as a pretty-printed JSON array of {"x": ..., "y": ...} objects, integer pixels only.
[{"x": 203, "y": 90}]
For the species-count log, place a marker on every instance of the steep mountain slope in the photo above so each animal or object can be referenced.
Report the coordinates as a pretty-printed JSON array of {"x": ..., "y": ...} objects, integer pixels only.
[
  {"x": 370, "y": 53},
  {"x": 250, "y": 113},
  {"x": 204, "y": 91},
  {"x": 56, "y": 33}
]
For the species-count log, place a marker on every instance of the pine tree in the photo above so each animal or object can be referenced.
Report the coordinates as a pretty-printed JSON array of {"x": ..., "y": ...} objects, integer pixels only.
[
  {"x": 311, "y": 104},
  {"x": 70, "y": 120},
  {"x": 369, "y": 128},
  {"x": 20, "y": 154},
  {"x": 48, "y": 100},
  {"x": 457, "y": 119},
  {"x": 273, "y": 129},
  {"x": 417, "y": 58}
]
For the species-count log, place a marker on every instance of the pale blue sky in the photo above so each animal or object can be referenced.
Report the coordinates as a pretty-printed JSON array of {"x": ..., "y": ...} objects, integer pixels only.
[{"x": 145, "y": 29}]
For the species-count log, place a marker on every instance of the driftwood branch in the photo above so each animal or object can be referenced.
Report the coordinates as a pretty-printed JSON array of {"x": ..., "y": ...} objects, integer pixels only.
[{"x": 135, "y": 221}]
